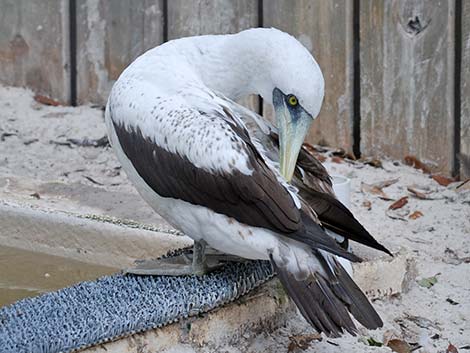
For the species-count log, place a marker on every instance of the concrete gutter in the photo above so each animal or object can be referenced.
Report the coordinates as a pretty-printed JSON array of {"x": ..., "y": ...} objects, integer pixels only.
[
  {"x": 102, "y": 241},
  {"x": 82, "y": 222}
]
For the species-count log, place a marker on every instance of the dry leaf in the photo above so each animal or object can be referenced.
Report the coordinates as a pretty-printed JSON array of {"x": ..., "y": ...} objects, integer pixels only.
[
  {"x": 302, "y": 341},
  {"x": 35, "y": 195},
  {"x": 339, "y": 152},
  {"x": 400, "y": 346},
  {"x": 452, "y": 349},
  {"x": 385, "y": 183},
  {"x": 451, "y": 301},
  {"x": 314, "y": 152},
  {"x": 309, "y": 148},
  {"x": 422, "y": 321},
  {"x": 7, "y": 134},
  {"x": 373, "y": 343},
  {"x": 46, "y": 100},
  {"x": 452, "y": 258},
  {"x": 92, "y": 180},
  {"x": 442, "y": 180},
  {"x": 367, "y": 204},
  {"x": 399, "y": 214},
  {"x": 416, "y": 215},
  {"x": 376, "y": 188},
  {"x": 418, "y": 194},
  {"x": 372, "y": 190},
  {"x": 336, "y": 159},
  {"x": 376, "y": 163},
  {"x": 416, "y": 163},
  {"x": 428, "y": 282},
  {"x": 53, "y": 115},
  {"x": 399, "y": 203}
]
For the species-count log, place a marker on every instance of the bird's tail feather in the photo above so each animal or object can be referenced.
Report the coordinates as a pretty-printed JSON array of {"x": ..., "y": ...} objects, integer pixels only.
[{"x": 326, "y": 302}]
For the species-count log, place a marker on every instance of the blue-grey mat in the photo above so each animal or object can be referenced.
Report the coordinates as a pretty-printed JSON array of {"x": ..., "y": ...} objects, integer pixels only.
[{"x": 115, "y": 306}]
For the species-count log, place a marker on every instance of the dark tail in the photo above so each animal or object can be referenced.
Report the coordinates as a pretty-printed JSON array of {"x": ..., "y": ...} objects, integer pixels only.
[{"x": 325, "y": 302}]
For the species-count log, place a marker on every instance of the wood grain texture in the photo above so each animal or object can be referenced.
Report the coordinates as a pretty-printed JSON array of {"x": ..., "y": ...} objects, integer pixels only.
[
  {"x": 197, "y": 17},
  {"x": 407, "y": 78},
  {"x": 111, "y": 34},
  {"x": 34, "y": 46},
  {"x": 465, "y": 94},
  {"x": 325, "y": 28}
]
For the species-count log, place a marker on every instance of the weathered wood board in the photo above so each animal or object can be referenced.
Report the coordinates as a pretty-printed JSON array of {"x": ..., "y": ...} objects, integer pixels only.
[
  {"x": 34, "y": 46},
  {"x": 111, "y": 34},
  {"x": 407, "y": 80},
  {"x": 465, "y": 94},
  {"x": 196, "y": 17},
  {"x": 406, "y": 60},
  {"x": 325, "y": 28}
]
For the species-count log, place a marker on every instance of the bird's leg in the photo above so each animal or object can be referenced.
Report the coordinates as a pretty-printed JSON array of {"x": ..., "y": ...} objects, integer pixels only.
[
  {"x": 199, "y": 257},
  {"x": 202, "y": 260}
]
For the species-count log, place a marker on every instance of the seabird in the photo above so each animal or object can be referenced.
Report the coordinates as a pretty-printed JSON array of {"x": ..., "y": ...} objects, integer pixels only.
[{"x": 231, "y": 180}]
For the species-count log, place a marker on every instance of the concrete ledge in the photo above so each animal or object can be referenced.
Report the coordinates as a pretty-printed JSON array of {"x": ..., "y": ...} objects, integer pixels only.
[
  {"x": 103, "y": 242},
  {"x": 266, "y": 308},
  {"x": 385, "y": 276}
]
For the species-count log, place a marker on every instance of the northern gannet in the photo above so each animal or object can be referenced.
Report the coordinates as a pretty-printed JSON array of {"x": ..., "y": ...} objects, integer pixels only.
[{"x": 225, "y": 177}]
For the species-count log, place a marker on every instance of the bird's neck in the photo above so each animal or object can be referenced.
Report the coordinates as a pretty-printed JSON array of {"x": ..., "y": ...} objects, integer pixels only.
[{"x": 235, "y": 65}]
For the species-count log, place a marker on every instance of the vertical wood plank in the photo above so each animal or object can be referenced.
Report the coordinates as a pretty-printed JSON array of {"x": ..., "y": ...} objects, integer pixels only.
[
  {"x": 465, "y": 93},
  {"x": 325, "y": 28},
  {"x": 407, "y": 69},
  {"x": 198, "y": 17},
  {"x": 34, "y": 46},
  {"x": 111, "y": 34}
]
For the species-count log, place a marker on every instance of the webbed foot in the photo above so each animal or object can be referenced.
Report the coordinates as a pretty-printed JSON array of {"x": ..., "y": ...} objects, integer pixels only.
[{"x": 201, "y": 261}]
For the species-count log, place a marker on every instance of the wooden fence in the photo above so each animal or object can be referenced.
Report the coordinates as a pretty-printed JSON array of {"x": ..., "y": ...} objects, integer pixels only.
[{"x": 397, "y": 71}]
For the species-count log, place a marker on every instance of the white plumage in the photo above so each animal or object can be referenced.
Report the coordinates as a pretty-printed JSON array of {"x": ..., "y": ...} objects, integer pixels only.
[
  {"x": 205, "y": 164},
  {"x": 173, "y": 93}
]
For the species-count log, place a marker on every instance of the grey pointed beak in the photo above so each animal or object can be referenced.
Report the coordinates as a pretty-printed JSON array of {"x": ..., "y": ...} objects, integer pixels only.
[{"x": 293, "y": 126}]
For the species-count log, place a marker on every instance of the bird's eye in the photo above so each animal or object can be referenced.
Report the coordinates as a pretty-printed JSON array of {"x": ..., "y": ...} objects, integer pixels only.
[{"x": 292, "y": 100}]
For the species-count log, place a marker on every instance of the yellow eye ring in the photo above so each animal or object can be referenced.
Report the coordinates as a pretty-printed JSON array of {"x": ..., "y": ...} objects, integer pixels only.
[{"x": 292, "y": 100}]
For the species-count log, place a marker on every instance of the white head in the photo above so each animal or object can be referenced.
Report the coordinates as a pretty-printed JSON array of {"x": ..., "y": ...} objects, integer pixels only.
[{"x": 291, "y": 79}]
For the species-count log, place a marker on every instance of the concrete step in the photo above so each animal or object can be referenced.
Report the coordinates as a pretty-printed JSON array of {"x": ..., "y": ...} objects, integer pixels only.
[{"x": 82, "y": 222}]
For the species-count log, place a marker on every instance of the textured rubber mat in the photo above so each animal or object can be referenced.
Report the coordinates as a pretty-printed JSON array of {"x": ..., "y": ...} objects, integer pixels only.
[{"x": 115, "y": 306}]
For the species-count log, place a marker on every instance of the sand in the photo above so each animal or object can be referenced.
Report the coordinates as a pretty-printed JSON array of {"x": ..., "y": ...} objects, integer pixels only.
[{"x": 33, "y": 145}]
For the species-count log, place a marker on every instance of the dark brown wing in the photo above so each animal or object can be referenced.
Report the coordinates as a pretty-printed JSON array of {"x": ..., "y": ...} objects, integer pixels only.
[
  {"x": 314, "y": 174},
  {"x": 257, "y": 200},
  {"x": 315, "y": 187},
  {"x": 314, "y": 184}
]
